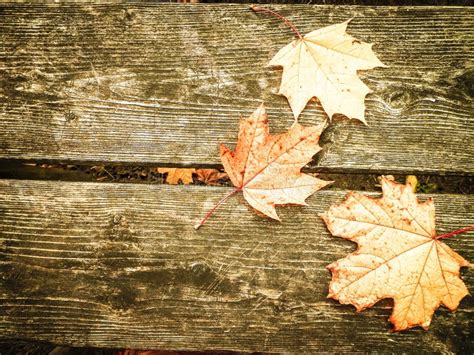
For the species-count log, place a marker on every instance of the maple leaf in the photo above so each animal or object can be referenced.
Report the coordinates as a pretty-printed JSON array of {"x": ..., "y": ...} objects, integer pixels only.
[
  {"x": 399, "y": 256},
  {"x": 267, "y": 168},
  {"x": 210, "y": 176},
  {"x": 178, "y": 174},
  {"x": 324, "y": 64}
]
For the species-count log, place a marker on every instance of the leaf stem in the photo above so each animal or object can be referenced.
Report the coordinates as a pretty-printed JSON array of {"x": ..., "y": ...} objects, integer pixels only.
[
  {"x": 284, "y": 19},
  {"x": 211, "y": 211},
  {"x": 459, "y": 231}
]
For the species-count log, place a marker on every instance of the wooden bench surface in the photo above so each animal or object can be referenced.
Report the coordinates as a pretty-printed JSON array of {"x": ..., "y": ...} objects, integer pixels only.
[
  {"x": 165, "y": 84},
  {"x": 120, "y": 265}
]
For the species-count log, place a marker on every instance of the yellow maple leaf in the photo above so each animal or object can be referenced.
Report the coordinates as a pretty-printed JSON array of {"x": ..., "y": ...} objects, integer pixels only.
[
  {"x": 324, "y": 64},
  {"x": 175, "y": 175},
  {"x": 399, "y": 256}
]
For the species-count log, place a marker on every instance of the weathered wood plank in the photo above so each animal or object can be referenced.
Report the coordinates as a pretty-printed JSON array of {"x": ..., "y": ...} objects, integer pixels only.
[
  {"x": 120, "y": 265},
  {"x": 166, "y": 83}
]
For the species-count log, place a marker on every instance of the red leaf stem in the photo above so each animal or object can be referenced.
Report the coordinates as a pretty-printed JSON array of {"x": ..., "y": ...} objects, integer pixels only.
[
  {"x": 211, "y": 211},
  {"x": 459, "y": 231},
  {"x": 283, "y": 18}
]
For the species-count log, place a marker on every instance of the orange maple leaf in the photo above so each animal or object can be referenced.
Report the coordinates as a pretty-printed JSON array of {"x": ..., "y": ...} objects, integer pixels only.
[
  {"x": 399, "y": 256},
  {"x": 267, "y": 168},
  {"x": 175, "y": 175},
  {"x": 324, "y": 64}
]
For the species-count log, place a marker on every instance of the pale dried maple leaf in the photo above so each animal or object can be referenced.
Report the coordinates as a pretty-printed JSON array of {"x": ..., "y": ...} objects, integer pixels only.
[
  {"x": 324, "y": 64},
  {"x": 399, "y": 256},
  {"x": 210, "y": 176},
  {"x": 267, "y": 168},
  {"x": 175, "y": 175}
]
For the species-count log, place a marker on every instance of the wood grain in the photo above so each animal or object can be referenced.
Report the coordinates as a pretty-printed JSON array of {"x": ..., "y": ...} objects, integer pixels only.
[
  {"x": 120, "y": 265},
  {"x": 164, "y": 84}
]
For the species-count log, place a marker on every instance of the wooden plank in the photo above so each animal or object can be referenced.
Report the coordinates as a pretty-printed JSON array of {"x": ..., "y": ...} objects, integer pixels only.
[
  {"x": 165, "y": 83},
  {"x": 120, "y": 265}
]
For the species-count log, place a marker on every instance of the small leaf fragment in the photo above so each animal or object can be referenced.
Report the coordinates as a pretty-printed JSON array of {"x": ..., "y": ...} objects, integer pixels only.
[
  {"x": 412, "y": 181},
  {"x": 210, "y": 176},
  {"x": 175, "y": 175}
]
